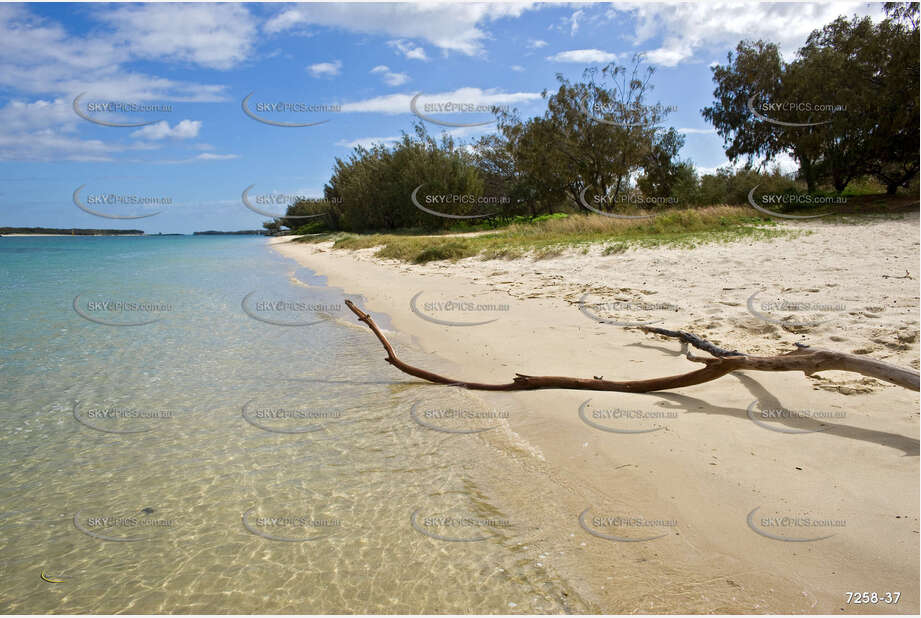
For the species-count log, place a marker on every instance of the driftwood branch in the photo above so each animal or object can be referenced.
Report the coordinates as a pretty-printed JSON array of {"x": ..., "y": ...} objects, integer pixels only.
[{"x": 803, "y": 358}]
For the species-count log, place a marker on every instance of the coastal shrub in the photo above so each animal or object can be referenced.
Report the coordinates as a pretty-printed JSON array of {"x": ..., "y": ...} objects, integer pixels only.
[{"x": 373, "y": 188}]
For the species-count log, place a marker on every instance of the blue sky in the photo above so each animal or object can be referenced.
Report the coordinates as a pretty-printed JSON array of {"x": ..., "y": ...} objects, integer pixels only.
[{"x": 370, "y": 59}]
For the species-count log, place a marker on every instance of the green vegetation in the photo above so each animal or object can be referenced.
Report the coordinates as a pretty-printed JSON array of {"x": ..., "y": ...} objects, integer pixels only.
[{"x": 552, "y": 236}]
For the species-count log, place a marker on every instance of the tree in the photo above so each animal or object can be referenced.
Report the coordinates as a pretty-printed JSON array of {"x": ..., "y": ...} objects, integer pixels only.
[
  {"x": 847, "y": 105},
  {"x": 663, "y": 170},
  {"x": 894, "y": 143},
  {"x": 373, "y": 188},
  {"x": 754, "y": 79}
]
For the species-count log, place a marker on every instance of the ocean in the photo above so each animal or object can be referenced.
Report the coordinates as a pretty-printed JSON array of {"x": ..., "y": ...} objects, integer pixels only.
[{"x": 199, "y": 425}]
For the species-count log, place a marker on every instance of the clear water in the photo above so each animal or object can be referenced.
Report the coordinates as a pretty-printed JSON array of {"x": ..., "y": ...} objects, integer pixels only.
[{"x": 131, "y": 480}]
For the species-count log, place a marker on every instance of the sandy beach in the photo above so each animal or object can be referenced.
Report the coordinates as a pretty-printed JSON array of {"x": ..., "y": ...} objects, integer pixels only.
[{"x": 845, "y": 452}]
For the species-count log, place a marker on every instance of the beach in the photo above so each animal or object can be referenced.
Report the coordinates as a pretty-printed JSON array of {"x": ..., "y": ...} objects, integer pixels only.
[{"x": 757, "y": 492}]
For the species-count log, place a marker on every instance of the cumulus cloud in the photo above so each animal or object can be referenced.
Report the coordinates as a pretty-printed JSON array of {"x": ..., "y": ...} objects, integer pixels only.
[
  {"x": 208, "y": 156},
  {"x": 184, "y": 129},
  {"x": 408, "y": 49},
  {"x": 217, "y": 36},
  {"x": 325, "y": 69},
  {"x": 400, "y": 103},
  {"x": 41, "y": 57},
  {"x": 390, "y": 78},
  {"x": 691, "y": 29},
  {"x": 455, "y": 27},
  {"x": 45, "y": 130},
  {"x": 584, "y": 56}
]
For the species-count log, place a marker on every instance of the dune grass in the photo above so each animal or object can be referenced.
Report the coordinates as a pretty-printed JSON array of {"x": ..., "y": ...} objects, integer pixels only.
[{"x": 551, "y": 237}]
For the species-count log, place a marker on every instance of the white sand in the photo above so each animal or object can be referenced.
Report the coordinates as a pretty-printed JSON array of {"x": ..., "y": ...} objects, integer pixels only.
[{"x": 709, "y": 467}]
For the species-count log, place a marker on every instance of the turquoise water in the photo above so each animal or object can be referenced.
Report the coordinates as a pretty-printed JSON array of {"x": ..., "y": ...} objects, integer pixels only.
[{"x": 166, "y": 447}]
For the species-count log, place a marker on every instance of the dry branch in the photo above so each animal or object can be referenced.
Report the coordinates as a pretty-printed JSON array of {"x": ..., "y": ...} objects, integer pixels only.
[{"x": 804, "y": 358}]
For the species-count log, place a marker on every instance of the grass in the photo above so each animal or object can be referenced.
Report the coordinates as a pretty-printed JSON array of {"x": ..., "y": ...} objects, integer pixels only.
[{"x": 552, "y": 236}]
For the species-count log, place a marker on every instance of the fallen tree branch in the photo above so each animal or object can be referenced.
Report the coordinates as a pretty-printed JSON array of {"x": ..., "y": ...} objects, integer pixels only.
[{"x": 805, "y": 359}]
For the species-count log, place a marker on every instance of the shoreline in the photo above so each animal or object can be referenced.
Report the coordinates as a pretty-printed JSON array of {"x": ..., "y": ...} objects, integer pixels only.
[{"x": 710, "y": 465}]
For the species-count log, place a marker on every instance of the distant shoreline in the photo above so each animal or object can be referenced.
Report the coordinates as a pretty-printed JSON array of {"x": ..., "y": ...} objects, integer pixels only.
[
  {"x": 77, "y": 232},
  {"x": 11, "y": 235},
  {"x": 66, "y": 231}
]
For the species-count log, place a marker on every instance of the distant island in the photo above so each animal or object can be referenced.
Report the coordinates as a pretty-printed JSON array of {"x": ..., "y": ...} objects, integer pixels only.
[
  {"x": 245, "y": 232},
  {"x": 69, "y": 231}
]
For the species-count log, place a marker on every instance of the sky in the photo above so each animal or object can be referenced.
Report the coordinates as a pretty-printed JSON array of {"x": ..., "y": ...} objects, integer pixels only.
[{"x": 348, "y": 70}]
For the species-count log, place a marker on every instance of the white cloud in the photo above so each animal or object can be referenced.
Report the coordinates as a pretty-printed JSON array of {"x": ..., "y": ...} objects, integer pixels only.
[
  {"x": 39, "y": 114},
  {"x": 46, "y": 131},
  {"x": 399, "y": 103},
  {"x": 517, "y": 67},
  {"x": 454, "y": 27},
  {"x": 41, "y": 57},
  {"x": 367, "y": 142},
  {"x": 536, "y": 43},
  {"x": 325, "y": 69},
  {"x": 583, "y": 56},
  {"x": 49, "y": 145},
  {"x": 208, "y": 156},
  {"x": 184, "y": 129},
  {"x": 690, "y": 29},
  {"x": 217, "y": 36},
  {"x": 574, "y": 21},
  {"x": 408, "y": 49},
  {"x": 389, "y": 77},
  {"x": 205, "y": 156}
]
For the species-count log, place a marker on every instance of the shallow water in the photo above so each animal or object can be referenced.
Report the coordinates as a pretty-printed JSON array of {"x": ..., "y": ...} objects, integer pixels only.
[{"x": 213, "y": 462}]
